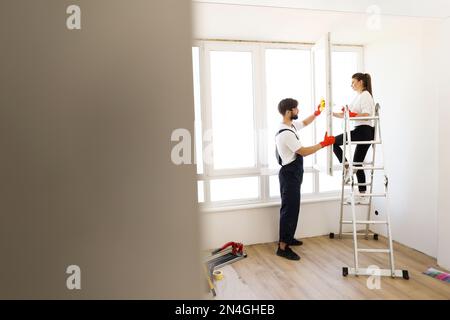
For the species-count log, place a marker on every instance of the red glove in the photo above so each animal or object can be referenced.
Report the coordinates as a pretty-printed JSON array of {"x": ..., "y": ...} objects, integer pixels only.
[
  {"x": 328, "y": 140},
  {"x": 352, "y": 114},
  {"x": 318, "y": 112}
]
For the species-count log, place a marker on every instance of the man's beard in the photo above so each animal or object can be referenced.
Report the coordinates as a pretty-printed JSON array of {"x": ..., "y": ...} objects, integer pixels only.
[{"x": 294, "y": 117}]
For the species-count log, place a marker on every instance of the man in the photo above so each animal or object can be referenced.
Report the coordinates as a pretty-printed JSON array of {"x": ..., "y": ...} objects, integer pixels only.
[{"x": 290, "y": 153}]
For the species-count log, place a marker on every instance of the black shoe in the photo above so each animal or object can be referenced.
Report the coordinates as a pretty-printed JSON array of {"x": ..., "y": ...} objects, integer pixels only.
[
  {"x": 288, "y": 254},
  {"x": 296, "y": 242}
]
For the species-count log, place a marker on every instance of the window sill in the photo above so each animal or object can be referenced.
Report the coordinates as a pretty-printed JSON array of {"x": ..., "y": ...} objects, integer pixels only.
[{"x": 227, "y": 208}]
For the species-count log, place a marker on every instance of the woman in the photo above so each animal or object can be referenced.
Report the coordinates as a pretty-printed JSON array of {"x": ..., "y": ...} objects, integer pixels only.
[{"x": 362, "y": 106}]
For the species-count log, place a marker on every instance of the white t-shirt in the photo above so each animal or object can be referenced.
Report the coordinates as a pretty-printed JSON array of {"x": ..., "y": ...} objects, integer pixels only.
[
  {"x": 363, "y": 103},
  {"x": 287, "y": 143}
]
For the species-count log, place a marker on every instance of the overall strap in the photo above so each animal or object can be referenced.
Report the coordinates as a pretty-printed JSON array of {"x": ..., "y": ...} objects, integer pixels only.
[
  {"x": 280, "y": 162},
  {"x": 283, "y": 130}
]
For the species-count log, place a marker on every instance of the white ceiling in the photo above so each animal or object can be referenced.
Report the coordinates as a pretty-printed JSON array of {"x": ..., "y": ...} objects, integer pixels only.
[{"x": 412, "y": 8}]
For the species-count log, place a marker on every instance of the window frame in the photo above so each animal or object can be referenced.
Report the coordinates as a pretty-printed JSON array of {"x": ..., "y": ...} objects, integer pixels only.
[
  {"x": 207, "y": 112},
  {"x": 261, "y": 170},
  {"x": 359, "y": 49}
]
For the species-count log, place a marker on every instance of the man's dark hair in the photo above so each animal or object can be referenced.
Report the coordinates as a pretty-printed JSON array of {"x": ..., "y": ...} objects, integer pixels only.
[{"x": 287, "y": 104}]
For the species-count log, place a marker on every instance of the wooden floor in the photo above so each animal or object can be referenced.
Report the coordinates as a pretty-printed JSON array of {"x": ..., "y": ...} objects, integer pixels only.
[{"x": 318, "y": 275}]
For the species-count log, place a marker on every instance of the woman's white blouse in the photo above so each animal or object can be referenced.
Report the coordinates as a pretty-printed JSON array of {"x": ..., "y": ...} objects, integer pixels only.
[{"x": 363, "y": 103}]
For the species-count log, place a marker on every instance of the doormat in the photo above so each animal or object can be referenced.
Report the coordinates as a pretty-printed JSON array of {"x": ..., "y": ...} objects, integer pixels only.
[{"x": 434, "y": 273}]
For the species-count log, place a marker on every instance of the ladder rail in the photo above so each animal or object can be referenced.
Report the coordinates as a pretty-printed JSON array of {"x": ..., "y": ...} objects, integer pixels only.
[
  {"x": 344, "y": 163},
  {"x": 388, "y": 219},
  {"x": 387, "y": 213},
  {"x": 374, "y": 147},
  {"x": 352, "y": 195},
  {"x": 341, "y": 216}
]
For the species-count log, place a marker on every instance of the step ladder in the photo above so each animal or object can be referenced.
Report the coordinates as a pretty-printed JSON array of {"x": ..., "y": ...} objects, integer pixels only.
[{"x": 348, "y": 170}]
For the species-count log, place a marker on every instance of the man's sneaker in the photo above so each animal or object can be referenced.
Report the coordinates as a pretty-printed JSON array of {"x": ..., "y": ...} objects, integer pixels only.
[
  {"x": 296, "y": 242},
  {"x": 288, "y": 254}
]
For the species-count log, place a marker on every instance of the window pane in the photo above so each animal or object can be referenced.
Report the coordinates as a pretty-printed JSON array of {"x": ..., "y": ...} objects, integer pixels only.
[
  {"x": 234, "y": 189},
  {"x": 232, "y": 110},
  {"x": 307, "y": 185},
  {"x": 288, "y": 75},
  {"x": 327, "y": 183},
  {"x": 201, "y": 191},
  {"x": 345, "y": 64},
  {"x": 198, "y": 109}
]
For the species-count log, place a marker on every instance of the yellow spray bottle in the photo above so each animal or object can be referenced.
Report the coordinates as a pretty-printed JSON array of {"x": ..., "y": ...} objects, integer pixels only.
[{"x": 322, "y": 104}]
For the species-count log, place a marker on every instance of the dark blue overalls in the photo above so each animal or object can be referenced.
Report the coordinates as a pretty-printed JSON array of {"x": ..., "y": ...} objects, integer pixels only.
[{"x": 291, "y": 178}]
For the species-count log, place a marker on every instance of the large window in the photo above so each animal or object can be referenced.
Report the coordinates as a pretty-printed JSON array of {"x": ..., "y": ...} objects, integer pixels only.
[{"x": 237, "y": 88}]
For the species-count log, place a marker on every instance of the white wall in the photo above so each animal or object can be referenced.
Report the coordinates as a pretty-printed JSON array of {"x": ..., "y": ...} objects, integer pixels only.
[
  {"x": 444, "y": 150},
  {"x": 218, "y": 21},
  {"x": 261, "y": 225},
  {"x": 398, "y": 57},
  {"x": 404, "y": 69}
]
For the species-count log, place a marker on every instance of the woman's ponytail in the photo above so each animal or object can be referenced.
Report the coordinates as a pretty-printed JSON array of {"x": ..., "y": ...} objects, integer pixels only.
[{"x": 368, "y": 83}]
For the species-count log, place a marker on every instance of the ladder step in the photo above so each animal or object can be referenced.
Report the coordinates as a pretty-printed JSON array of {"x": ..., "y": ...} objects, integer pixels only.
[
  {"x": 358, "y": 234},
  {"x": 365, "y": 142},
  {"x": 364, "y": 118},
  {"x": 363, "y": 163},
  {"x": 358, "y": 184},
  {"x": 381, "y": 272},
  {"x": 356, "y": 204},
  {"x": 364, "y": 222},
  {"x": 375, "y": 250},
  {"x": 368, "y": 168},
  {"x": 366, "y": 195}
]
